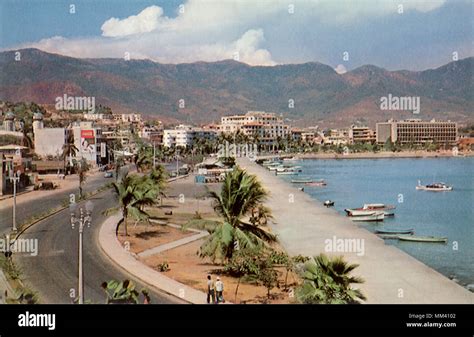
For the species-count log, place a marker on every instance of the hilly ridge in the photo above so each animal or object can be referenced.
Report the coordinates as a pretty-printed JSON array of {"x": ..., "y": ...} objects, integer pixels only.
[{"x": 213, "y": 89}]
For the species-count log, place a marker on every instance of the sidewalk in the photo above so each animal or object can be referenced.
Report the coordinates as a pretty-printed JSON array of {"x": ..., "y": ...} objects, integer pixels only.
[
  {"x": 391, "y": 275},
  {"x": 113, "y": 249}
]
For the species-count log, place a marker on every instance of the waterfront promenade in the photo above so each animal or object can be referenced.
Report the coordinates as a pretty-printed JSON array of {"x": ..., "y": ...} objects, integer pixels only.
[{"x": 391, "y": 275}]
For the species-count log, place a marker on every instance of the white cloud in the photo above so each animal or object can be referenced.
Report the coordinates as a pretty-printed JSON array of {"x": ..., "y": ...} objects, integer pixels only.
[
  {"x": 146, "y": 21},
  {"x": 216, "y": 30}
]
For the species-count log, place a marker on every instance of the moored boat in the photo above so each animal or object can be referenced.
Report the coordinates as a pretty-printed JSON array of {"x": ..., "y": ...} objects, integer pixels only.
[
  {"x": 388, "y": 210},
  {"x": 316, "y": 183},
  {"x": 328, "y": 203},
  {"x": 301, "y": 181},
  {"x": 423, "y": 238},
  {"x": 434, "y": 187},
  {"x": 395, "y": 231},
  {"x": 374, "y": 216}
]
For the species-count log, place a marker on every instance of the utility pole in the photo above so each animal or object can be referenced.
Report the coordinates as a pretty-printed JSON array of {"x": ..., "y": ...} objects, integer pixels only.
[{"x": 15, "y": 178}]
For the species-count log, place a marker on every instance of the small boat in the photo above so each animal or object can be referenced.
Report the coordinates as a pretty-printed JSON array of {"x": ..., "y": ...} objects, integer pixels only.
[
  {"x": 288, "y": 170},
  {"x": 301, "y": 181},
  {"x": 317, "y": 183},
  {"x": 374, "y": 216},
  {"x": 423, "y": 238},
  {"x": 290, "y": 159},
  {"x": 435, "y": 187},
  {"x": 395, "y": 231},
  {"x": 388, "y": 210},
  {"x": 328, "y": 203}
]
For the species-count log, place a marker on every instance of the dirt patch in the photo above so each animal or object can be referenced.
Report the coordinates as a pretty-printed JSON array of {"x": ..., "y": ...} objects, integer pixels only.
[
  {"x": 146, "y": 236},
  {"x": 188, "y": 268}
]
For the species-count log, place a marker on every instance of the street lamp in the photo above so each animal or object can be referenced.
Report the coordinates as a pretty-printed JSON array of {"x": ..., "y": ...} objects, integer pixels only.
[
  {"x": 82, "y": 221},
  {"x": 15, "y": 178}
]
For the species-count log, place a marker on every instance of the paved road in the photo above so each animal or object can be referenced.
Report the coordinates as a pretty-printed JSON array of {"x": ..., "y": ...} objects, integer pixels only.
[
  {"x": 27, "y": 209},
  {"x": 54, "y": 271}
]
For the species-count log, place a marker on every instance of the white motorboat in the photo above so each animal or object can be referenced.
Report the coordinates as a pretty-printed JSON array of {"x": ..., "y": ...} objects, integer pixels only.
[
  {"x": 367, "y": 209},
  {"x": 434, "y": 187},
  {"x": 374, "y": 216}
]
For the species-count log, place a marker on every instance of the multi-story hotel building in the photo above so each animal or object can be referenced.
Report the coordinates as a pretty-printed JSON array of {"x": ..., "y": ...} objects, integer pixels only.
[
  {"x": 416, "y": 131},
  {"x": 185, "y": 136},
  {"x": 361, "y": 134},
  {"x": 266, "y": 126}
]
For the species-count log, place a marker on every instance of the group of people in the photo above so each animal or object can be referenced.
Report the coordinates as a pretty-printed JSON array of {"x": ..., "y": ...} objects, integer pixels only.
[{"x": 215, "y": 290}]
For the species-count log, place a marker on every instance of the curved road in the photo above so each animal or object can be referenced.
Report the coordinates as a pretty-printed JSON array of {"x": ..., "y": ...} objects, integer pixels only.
[{"x": 53, "y": 272}]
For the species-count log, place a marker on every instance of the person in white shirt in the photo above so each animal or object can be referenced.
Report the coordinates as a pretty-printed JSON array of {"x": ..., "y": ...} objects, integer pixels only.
[{"x": 219, "y": 290}]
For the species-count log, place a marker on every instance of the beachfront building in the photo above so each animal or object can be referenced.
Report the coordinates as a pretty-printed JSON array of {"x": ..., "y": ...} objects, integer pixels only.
[
  {"x": 336, "y": 137},
  {"x": 361, "y": 135},
  {"x": 266, "y": 127},
  {"x": 186, "y": 136},
  {"x": 417, "y": 131}
]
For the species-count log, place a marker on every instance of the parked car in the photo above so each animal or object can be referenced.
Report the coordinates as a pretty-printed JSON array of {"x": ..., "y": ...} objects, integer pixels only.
[{"x": 108, "y": 174}]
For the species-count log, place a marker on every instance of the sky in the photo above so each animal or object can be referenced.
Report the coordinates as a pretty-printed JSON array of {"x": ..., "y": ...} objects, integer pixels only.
[{"x": 345, "y": 34}]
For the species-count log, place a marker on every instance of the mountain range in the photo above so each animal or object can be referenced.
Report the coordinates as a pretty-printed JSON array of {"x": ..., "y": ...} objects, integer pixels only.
[{"x": 201, "y": 92}]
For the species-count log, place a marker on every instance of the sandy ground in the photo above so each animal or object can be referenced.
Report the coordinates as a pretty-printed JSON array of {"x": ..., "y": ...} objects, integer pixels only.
[
  {"x": 145, "y": 236},
  {"x": 186, "y": 267}
]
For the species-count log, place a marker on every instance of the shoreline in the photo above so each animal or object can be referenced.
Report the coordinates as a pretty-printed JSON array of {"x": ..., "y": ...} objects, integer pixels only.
[
  {"x": 391, "y": 275},
  {"x": 371, "y": 155}
]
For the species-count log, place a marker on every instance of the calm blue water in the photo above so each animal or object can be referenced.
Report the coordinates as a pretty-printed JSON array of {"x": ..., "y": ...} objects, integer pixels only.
[{"x": 351, "y": 183}]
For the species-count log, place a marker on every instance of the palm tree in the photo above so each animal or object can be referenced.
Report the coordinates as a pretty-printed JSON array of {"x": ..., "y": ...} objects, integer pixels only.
[
  {"x": 82, "y": 168},
  {"x": 134, "y": 193},
  {"x": 240, "y": 194},
  {"x": 144, "y": 158},
  {"x": 327, "y": 281},
  {"x": 69, "y": 149}
]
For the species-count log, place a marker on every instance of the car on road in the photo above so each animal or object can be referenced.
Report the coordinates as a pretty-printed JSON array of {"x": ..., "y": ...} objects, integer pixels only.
[{"x": 108, "y": 174}]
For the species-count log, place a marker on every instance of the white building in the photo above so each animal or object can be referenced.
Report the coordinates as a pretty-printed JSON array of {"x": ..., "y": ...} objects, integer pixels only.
[
  {"x": 185, "y": 135},
  {"x": 267, "y": 126},
  {"x": 50, "y": 141}
]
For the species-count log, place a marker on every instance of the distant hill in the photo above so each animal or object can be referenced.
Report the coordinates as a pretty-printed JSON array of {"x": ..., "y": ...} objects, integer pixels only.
[{"x": 210, "y": 90}]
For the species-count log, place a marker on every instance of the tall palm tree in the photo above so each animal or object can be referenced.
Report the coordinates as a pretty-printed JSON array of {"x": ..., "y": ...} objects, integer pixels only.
[
  {"x": 327, "y": 281},
  {"x": 240, "y": 194},
  {"x": 69, "y": 149},
  {"x": 134, "y": 193},
  {"x": 82, "y": 168},
  {"x": 144, "y": 158}
]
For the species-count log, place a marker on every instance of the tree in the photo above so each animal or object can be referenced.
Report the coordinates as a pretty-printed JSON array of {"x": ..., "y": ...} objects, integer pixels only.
[
  {"x": 134, "y": 192},
  {"x": 122, "y": 292},
  {"x": 327, "y": 281},
  {"x": 82, "y": 167},
  {"x": 144, "y": 159},
  {"x": 69, "y": 149},
  {"x": 240, "y": 194}
]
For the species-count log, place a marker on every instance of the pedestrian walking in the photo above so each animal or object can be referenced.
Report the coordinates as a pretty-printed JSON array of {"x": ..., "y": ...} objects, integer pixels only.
[
  {"x": 219, "y": 291},
  {"x": 211, "y": 290}
]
